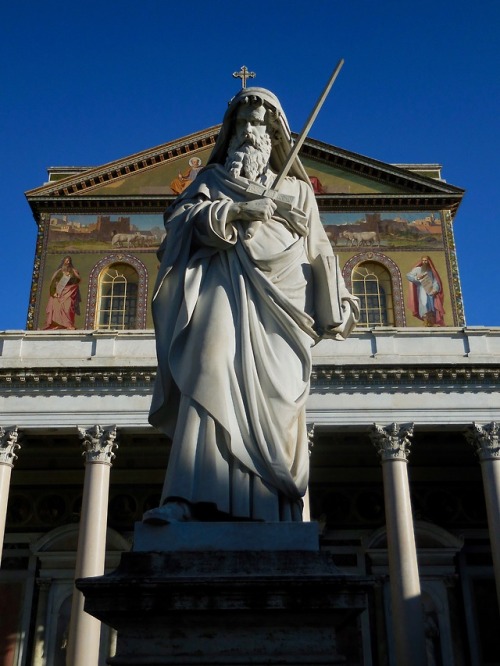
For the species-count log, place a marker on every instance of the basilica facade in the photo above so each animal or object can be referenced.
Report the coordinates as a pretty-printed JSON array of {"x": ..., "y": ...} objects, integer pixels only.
[{"x": 403, "y": 415}]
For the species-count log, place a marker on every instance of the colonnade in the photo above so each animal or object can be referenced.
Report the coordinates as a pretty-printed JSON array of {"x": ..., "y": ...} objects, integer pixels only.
[
  {"x": 393, "y": 445},
  {"x": 98, "y": 444}
]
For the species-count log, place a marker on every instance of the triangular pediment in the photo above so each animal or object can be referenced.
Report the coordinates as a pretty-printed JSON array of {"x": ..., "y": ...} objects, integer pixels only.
[{"x": 161, "y": 172}]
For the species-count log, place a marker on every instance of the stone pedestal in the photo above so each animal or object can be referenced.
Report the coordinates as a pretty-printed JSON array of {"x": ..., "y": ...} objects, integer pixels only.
[{"x": 267, "y": 605}]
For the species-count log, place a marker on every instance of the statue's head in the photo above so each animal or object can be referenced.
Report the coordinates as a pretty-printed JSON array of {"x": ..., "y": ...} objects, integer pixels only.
[
  {"x": 257, "y": 113},
  {"x": 269, "y": 108},
  {"x": 250, "y": 142}
]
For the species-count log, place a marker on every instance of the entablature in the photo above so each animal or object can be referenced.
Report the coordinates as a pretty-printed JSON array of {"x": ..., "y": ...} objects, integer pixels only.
[{"x": 389, "y": 360}]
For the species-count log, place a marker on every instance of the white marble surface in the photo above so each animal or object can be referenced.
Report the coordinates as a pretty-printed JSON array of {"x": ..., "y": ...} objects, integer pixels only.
[
  {"x": 28, "y": 349},
  {"x": 40, "y": 404}
]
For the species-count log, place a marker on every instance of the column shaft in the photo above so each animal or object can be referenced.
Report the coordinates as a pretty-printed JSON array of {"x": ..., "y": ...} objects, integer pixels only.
[
  {"x": 490, "y": 469},
  {"x": 85, "y": 630},
  {"x": 9, "y": 444},
  {"x": 407, "y": 614},
  {"x": 94, "y": 517},
  {"x": 40, "y": 641},
  {"x": 486, "y": 441},
  {"x": 393, "y": 443},
  {"x": 5, "y": 474}
]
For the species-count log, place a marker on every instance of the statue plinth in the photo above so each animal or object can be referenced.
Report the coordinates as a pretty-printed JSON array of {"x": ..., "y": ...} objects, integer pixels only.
[
  {"x": 257, "y": 605},
  {"x": 227, "y": 536}
]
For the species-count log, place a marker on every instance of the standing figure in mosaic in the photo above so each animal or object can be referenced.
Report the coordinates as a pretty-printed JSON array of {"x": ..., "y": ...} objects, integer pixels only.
[
  {"x": 64, "y": 297},
  {"x": 426, "y": 293},
  {"x": 247, "y": 285}
]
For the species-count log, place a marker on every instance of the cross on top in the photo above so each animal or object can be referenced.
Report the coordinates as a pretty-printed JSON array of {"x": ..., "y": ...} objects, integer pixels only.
[{"x": 244, "y": 74}]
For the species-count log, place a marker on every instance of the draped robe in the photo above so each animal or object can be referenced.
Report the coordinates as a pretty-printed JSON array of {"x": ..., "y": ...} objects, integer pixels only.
[
  {"x": 421, "y": 299},
  {"x": 235, "y": 321},
  {"x": 64, "y": 300}
]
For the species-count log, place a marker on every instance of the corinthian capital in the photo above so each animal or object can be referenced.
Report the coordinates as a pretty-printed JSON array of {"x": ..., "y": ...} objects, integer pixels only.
[
  {"x": 393, "y": 441},
  {"x": 8, "y": 445},
  {"x": 98, "y": 443},
  {"x": 485, "y": 439}
]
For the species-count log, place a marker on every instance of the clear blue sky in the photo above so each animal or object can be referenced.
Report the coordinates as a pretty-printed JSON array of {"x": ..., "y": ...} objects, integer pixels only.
[{"x": 87, "y": 83}]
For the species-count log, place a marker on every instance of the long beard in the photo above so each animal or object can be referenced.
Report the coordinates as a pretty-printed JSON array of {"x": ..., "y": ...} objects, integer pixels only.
[{"x": 250, "y": 159}]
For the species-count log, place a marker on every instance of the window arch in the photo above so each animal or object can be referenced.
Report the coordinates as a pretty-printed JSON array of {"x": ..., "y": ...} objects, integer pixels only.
[
  {"x": 371, "y": 283},
  {"x": 117, "y": 294},
  {"x": 117, "y": 301},
  {"x": 376, "y": 280}
]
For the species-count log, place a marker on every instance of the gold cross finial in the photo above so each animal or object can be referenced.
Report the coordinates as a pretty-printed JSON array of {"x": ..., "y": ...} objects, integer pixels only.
[{"x": 244, "y": 74}]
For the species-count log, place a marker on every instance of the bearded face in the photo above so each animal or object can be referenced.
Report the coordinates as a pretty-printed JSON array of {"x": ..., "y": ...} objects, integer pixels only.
[
  {"x": 425, "y": 263},
  {"x": 250, "y": 146}
]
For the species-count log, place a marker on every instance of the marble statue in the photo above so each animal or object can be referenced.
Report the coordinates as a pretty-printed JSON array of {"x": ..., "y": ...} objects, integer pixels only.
[{"x": 247, "y": 285}]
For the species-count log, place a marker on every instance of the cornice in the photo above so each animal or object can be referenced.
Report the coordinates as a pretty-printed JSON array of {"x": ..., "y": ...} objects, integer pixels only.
[
  {"x": 75, "y": 192},
  {"x": 142, "y": 161},
  {"x": 89, "y": 204},
  {"x": 375, "y": 169},
  {"x": 47, "y": 379},
  {"x": 406, "y": 379},
  {"x": 383, "y": 201},
  {"x": 326, "y": 202},
  {"x": 324, "y": 378}
]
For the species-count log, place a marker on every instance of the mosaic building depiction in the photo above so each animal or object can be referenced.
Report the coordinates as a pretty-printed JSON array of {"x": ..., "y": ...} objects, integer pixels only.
[{"x": 84, "y": 368}]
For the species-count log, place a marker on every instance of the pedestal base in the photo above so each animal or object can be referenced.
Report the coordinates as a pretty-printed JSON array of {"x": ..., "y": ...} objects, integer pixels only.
[{"x": 225, "y": 607}]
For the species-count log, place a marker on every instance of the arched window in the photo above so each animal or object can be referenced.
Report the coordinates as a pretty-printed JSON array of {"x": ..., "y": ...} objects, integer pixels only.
[
  {"x": 115, "y": 273},
  {"x": 117, "y": 300},
  {"x": 390, "y": 280},
  {"x": 371, "y": 283}
]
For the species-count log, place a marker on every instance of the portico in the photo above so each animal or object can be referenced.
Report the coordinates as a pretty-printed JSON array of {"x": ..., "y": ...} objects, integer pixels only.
[{"x": 442, "y": 382}]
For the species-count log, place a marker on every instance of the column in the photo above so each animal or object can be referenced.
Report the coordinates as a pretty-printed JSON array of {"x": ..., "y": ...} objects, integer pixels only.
[
  {"x": 85, "y": 630},
  {"x": 8, "y": 445},
  {"x": 40, "y": 642},
  {"x": 393, "y": 445},
  {"x": 306, "y": 511},
  {"x": 486, "y": 441}
]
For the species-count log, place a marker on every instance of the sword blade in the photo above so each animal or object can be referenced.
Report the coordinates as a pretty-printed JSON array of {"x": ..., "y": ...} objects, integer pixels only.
[{"x": 305, "y": 131}]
